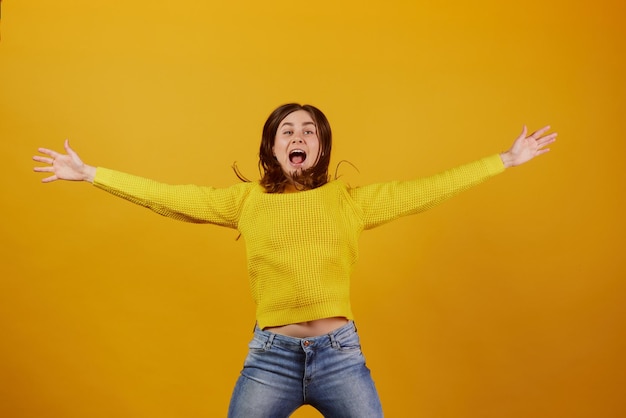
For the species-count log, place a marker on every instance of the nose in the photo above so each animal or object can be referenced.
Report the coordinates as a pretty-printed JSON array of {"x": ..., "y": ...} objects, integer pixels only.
[{"x": 297, "y": 140}]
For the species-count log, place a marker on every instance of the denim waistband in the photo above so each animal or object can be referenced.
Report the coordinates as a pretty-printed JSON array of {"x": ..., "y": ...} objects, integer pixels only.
[{"x": 271, "y": 338}]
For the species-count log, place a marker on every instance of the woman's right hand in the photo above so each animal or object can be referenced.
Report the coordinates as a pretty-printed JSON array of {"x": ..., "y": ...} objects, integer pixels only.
[{"x": 64, "y": 166}]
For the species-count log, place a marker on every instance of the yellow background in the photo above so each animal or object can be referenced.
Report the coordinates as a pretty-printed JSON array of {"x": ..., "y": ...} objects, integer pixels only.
[{"x": 508, "y": 301}]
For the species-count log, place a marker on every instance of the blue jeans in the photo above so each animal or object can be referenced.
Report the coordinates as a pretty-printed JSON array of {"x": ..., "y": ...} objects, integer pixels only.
[{"x": 282, "y": 373}]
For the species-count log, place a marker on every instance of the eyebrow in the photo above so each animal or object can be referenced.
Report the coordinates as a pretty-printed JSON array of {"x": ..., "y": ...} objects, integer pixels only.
[{"x": 291, "y": 124}]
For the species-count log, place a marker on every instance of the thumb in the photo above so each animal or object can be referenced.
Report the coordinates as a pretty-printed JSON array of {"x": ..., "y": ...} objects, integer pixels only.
[{"x": 69, "y": 149}]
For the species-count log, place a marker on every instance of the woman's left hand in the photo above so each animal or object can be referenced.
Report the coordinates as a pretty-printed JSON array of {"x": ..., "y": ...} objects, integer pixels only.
[{"x": 525, "y": 148}]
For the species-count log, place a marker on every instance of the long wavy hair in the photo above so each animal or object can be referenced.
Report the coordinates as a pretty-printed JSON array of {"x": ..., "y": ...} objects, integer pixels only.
[{"x": 273, "y": 178}]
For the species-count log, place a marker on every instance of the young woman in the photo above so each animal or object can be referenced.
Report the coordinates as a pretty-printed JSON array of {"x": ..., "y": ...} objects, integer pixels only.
[{"x": 301, "y": 231}]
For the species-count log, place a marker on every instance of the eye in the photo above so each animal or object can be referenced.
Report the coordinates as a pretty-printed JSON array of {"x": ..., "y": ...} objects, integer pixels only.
[
  {"x": 287, "y": 132},
  {"x": 309, "y": 132}
]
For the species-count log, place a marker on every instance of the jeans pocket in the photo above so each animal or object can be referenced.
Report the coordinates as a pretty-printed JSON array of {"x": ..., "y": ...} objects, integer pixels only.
[
  {"x": 257, "y": 345},
  {"x": 348, "y": 343}
]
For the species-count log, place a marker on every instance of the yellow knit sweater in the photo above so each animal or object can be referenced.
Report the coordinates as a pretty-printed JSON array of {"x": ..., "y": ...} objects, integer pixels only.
[{"x": 301, "y": 247}]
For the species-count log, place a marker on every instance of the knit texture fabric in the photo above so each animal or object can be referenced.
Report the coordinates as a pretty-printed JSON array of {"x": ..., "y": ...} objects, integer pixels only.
[{"x": 301, "y": 247}]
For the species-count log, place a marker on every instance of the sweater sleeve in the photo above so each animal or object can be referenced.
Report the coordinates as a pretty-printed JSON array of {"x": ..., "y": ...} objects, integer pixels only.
[
  {"x": 383, "y": 202},
  {"x": 188, "y": 203}
]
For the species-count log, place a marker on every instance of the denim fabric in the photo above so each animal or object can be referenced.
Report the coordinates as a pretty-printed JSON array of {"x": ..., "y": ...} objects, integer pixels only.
[{"x": 328, "y": 372}]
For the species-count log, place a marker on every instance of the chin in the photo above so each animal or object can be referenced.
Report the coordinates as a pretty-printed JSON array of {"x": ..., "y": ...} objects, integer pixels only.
[{"x": 296, "y": 169}]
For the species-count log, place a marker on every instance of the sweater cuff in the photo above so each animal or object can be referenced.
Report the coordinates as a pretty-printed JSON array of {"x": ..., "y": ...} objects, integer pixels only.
[
  {"x": 494, "y": 164},
  {"x": 103, "y": 177}
]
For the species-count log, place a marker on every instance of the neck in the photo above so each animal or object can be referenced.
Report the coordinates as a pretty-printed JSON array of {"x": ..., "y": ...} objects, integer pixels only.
[{"x": 292, "y": 188}]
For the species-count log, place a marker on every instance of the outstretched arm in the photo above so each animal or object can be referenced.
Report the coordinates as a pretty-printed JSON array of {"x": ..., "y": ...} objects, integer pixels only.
[
  {"x": 189, "y": 203},
  {"x": 383, "y": 202},
  {"x": 525, "y": 148},
  {"x": 64, "y": 166}
]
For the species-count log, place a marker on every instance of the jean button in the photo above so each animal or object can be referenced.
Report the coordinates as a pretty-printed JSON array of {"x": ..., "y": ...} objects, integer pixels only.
[{"x": 306, "y": 343}]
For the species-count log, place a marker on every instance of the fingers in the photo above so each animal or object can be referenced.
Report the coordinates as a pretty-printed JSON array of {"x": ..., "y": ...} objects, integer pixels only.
[
  {"x": 48, "y": 169},
  {"x": 67, "y": 147},
  {"x": 49, "y": 179},
  {"x": 44, "y": 169},
  {"x": 44, "y": 160},
  {"x": 57, "y": 162},
  {"x": 542, "y": 151},
  {"x": 541, "y": 140},
  {"x": 539, "y": 132},
  {"x": 49, "y": 152},
  {"x": 52, "y": 155},
  {"x": 546, "y": 140}
]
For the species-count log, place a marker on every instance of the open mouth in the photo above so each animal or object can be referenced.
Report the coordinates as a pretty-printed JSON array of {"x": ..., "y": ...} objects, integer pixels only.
[{"x": 297, "y": 156}]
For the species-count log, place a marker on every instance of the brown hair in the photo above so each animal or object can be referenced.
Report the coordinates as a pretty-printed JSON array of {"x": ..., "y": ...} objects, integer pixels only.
[{"x": 273, "y": 178}]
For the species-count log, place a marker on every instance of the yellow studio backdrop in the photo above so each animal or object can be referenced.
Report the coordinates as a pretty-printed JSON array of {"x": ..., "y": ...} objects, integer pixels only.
[{"x": 508, "y": 301}]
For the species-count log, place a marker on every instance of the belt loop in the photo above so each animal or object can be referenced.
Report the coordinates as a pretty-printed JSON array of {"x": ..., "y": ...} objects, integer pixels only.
[
  {"x": 333, "y": 341},
  {"x": 270, "y": 341}
]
